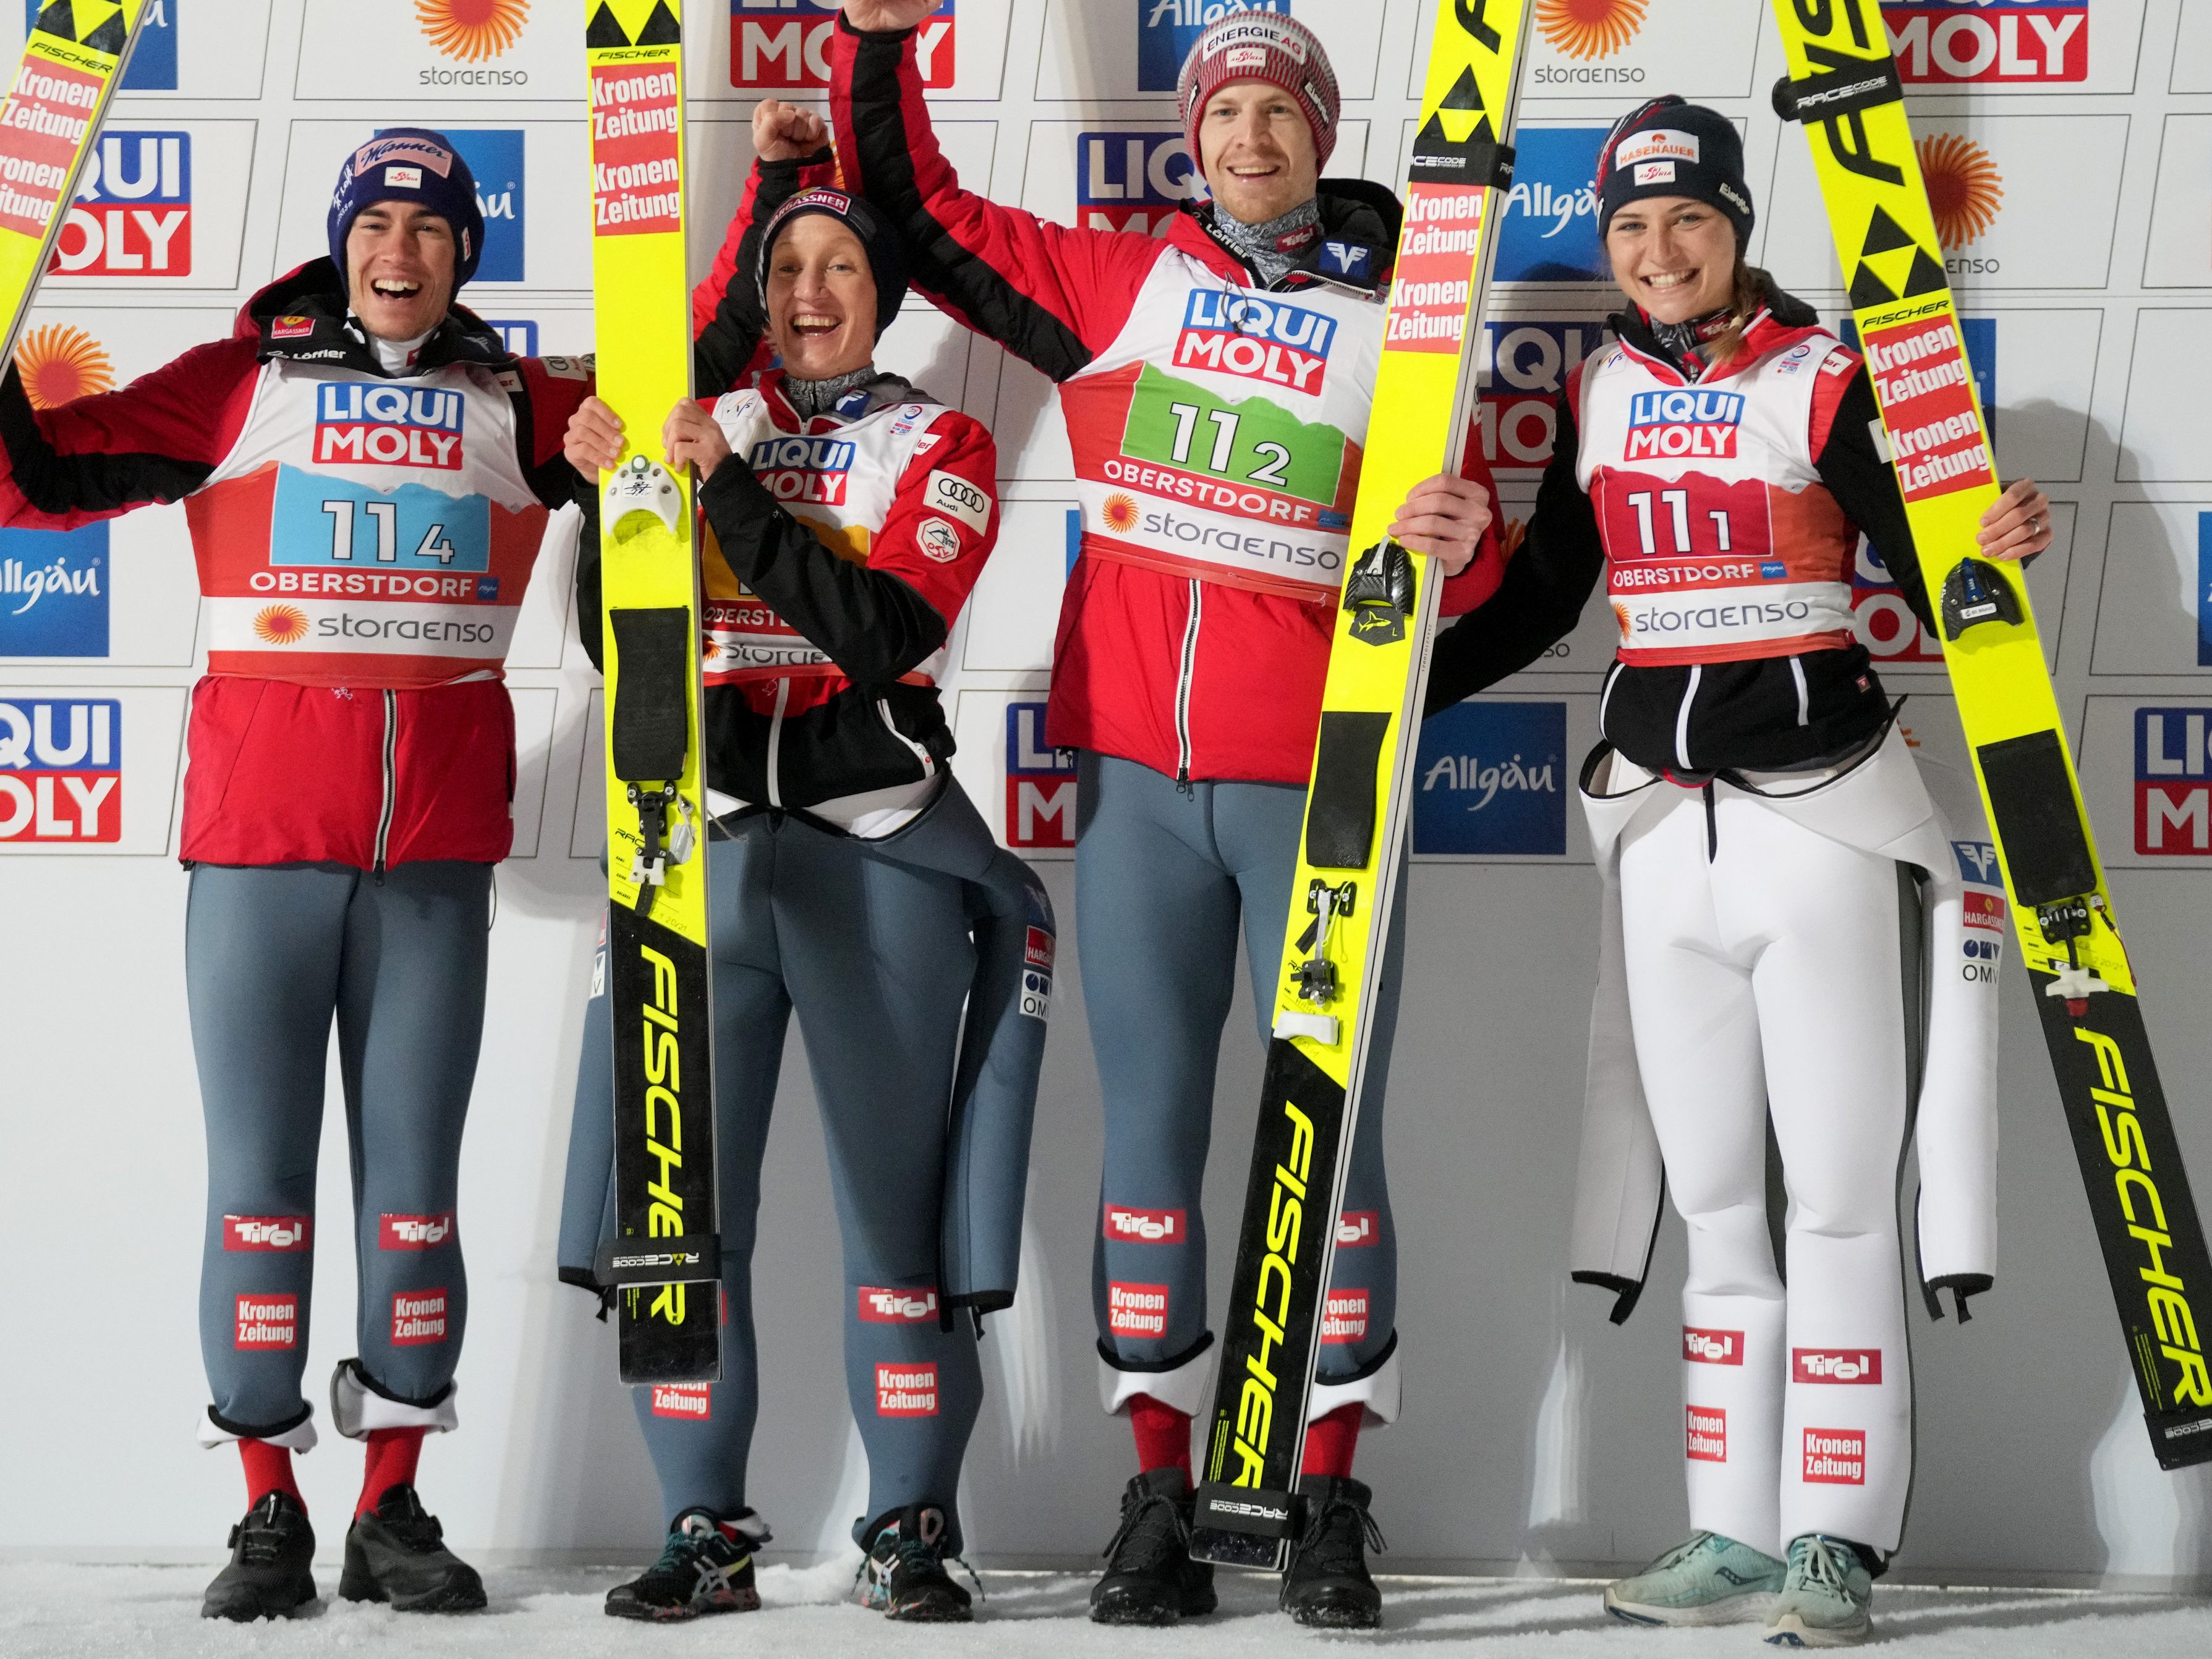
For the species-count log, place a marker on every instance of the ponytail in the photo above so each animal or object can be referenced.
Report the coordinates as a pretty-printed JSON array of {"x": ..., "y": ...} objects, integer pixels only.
[{"x": 1752, "y": 286}]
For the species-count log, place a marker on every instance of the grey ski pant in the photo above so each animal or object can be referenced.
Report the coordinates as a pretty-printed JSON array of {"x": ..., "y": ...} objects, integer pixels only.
[
  {"x": 875, "y": 957},
  {"x": 1165, "y": 877},
  {"x": 271, "y": 953}
]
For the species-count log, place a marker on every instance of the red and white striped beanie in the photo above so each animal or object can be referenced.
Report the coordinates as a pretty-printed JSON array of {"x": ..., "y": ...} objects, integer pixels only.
[{"x": 1261, "y": 45}]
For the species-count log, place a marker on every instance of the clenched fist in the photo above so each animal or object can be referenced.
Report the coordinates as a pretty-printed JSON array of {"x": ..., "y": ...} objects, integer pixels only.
[{"x": 785, "y": 132}]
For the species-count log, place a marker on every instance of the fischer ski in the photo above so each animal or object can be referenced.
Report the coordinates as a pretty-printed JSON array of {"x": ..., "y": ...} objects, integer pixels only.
[
  {"x": 665, "y": 1260},
  {"x": 72, "y": 62},
  {"x": 1355, "y": 822},
  {"x": 1844, "y": 87}
]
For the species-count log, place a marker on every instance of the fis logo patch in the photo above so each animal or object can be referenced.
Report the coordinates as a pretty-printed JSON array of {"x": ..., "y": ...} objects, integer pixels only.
[
  {"x": 54, "y": 587},
  {"x": 2025, "y": 42},
  {"x": 2173, "y": 800},
  {"x": 1040, "y": 783},
  {"x": 783, "y": 46},
  {"x": 61, "y": 770},
  {"x": 1835, "y": 1458},
  {"x": 372, "y": 424},
  {"x": 133, "y": 212},
  {"x": 1135, "y": 181},
  {"x": 267, "y": 1321},
  {"x": 896, "y": 1307},
  {"x": 267, "y": 1232},
  {"x": 1702, "y": 1347},
  {"x": 1862, "y": 1365},
  {"x": 1138, "y": 1310},
  {"x": 1129, "y": 1226},
  {"x": 691, "y": 1402},
  {"x": 413, "y": 1232},
  {"x": 1168, "y": 29},
  {"x": 906, "y": 1390},
  {"x": 1255, "y": 339},
  {"x": 1684, "y": 422},
  {"x": 418, "y": 1318},
  {"x": 815, "y": 469}
]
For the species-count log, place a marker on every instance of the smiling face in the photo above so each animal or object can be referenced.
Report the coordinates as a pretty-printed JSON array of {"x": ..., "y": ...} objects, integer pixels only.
[
  {"x": 1673, "y": 257},
  {"x": 399, "y": 269},
  {"x": 821, "y": 299},
  {"x": 1257, "y": 152}
]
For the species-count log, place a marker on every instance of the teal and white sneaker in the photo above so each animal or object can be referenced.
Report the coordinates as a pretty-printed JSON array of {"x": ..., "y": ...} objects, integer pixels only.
[
  {"x": 1708, "y": 1580},
  {"x": 1825, "y": 1600}
]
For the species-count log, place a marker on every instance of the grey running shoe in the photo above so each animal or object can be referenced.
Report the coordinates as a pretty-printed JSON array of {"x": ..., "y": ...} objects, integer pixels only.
[
  {"x": 1705, "y": 1580},
  {"x": 1826, "y": 1599},
  {"x": 903, "y": 1575},
  {"x": 705, "y": 1566}
]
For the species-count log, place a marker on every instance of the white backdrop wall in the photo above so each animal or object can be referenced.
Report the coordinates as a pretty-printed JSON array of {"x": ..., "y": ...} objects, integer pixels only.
[{"x": 2071, "y": 150}]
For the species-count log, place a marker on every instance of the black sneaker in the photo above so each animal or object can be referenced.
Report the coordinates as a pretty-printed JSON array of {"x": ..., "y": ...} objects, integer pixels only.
[
  {"x": 397, "y": 1553},
  {"x": 702, "y": 1569},
  {"x": 268, "y": 1576},
  {"x": 1327, "y": 1584},
  {"x": 1149, "y": 1576},
  {"x": 903, "y": 1576}
]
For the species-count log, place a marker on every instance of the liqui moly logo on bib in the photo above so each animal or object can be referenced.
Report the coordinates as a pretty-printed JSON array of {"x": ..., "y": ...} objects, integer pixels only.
[
  {"x": 133, "y": 212},
  {"x": 781, "y": 46},
  {"x": 1926, "y": 388},
  {"x": 804, "y": 469},
  {"x": 1255, "y": 339},
  {"x": 368, "y": 424},
  {"x": 2002, "y": 42},
  {"x": 637, "y": 173},
  {"x": 1168, "y": 29},
  {"x": 48, "y": 112},
  {"x": 61, "y": 770},
  {"x": 1683, "y": 422}
]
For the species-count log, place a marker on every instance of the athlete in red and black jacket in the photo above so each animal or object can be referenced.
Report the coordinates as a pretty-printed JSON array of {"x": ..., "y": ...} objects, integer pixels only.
[
  {"x": 1217, "y": 384},
  {"x": 366, "y": 472}
]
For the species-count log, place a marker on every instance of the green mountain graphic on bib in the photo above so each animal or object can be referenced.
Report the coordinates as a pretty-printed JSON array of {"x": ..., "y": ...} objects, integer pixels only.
[{"x": 1255, "y": 442}]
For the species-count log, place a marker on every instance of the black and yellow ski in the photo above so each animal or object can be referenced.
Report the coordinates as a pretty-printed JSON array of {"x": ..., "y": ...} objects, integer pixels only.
[
  {"x": 72, "y": 62},
  {"x": 665, "y": 1260},
  {"x": 1348, "y": 862},
  {"x": 1845, "y": 88}
]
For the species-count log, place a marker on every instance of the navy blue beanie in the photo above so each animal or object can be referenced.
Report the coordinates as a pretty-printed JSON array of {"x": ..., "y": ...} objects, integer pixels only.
[
  {"x": 1670, "y": 148},
  {"x": 410, "y": 164}
]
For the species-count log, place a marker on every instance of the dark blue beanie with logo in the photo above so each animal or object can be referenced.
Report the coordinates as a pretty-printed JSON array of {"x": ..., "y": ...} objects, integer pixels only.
[
  {"x": 410, "y": 164},
  {"x": 1667, "y": 147}
]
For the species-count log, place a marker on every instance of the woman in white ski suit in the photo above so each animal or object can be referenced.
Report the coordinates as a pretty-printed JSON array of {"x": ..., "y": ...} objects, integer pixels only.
[{"x": 1776, "y": 875}]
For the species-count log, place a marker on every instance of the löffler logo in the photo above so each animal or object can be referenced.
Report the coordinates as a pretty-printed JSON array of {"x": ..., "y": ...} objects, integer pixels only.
[
  {"x": 1145, "y": 1226},
  {"x": 1835, "y": 1365},
  {"x": 906, "y": 1390},
  {"x": 418, "y": 1317},
  {"x": 267, "y": 1232},
  {"x": 1344, "y": 1317},
  {"x": 1712, "y": 1347},
  {"x": 413, "y": 1232},
  {"x": 1357, "y": 1228},
  {"x": 268, "y": 1321},
  {"x": 1139, "y": 1311},
  {"x": 880, "y": 1306},
  {"x": 1706, "y": 1440},
  {"x": 694, "y": 1400},
  {"x": 1835, "y": 1458}
]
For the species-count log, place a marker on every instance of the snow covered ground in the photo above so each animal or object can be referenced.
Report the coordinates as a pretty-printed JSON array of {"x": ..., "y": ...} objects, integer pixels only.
[{"x": 55, "y": 1612}]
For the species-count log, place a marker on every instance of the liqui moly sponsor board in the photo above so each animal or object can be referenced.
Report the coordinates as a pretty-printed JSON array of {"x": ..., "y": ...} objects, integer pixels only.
[
  {"x": 1433, "y": 284},
  {"x": 1835, "y": 1365},
  {"x": 1134, "y": 180},
  {"x": 132, "y": 216},
  {"x": 1356, "y": 1229},
  {"x": 1344, "y": 1317},
  {"x": 1925, "y": 385},
  {"x": 814, "y": 470},
  {"x": 418, "y": 1318},
  {"x": 783, "y": 46},
  {"x": 1706, "y": 1434},
  {"x": 637, "y": 170},
  {"x": 2173, "y": 800},
  {"x": 61, "y": 770},
  {"x": 48, "y": 111},
  {"x": 880, "y": 1306},
  {"x": 1255, "y": 339},
  {"x": 267, "y": 1321},
  {"x": 1040, "y": 782},
  {"x": 1138, "y": 1310},
  {"x": 268, "y": 1233},
  {"x": 54, "y": 591},
  {"x": 694, "y": 1401},
  {"x": 1703, "y": 1347},
  {"x": 1835, "y": 1458},
  {"x": 1989, "y": 42},
  {"x": 370, "y": 424},
  {"x": 1523, "y": 368},
  {"x": 1684, "y": 421},
  {"x": 413, "y": 1232},
  {"x": 1145, "y": 1226},
  {"x": 1168, "y": 29},
  {"x": 906, "y": 1390}
]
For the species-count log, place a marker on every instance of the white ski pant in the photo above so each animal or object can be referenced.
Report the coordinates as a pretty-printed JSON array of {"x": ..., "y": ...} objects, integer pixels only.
[{"x": 1765, "y": 980}]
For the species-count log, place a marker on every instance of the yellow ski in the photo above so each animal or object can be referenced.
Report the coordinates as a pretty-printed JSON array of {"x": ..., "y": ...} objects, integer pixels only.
[
  {"x": 1341, "y": 903},
  {"x": 1845, "y": 88}
]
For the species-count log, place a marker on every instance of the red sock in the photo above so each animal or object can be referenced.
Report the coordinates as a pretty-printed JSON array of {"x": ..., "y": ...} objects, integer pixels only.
[
  {"x": 1163, "y": 1435},
  {"x": 1330, "y": 1442},
  {"x": 268, "y": 1468},
  {"x": 392, "y": 1454}
]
